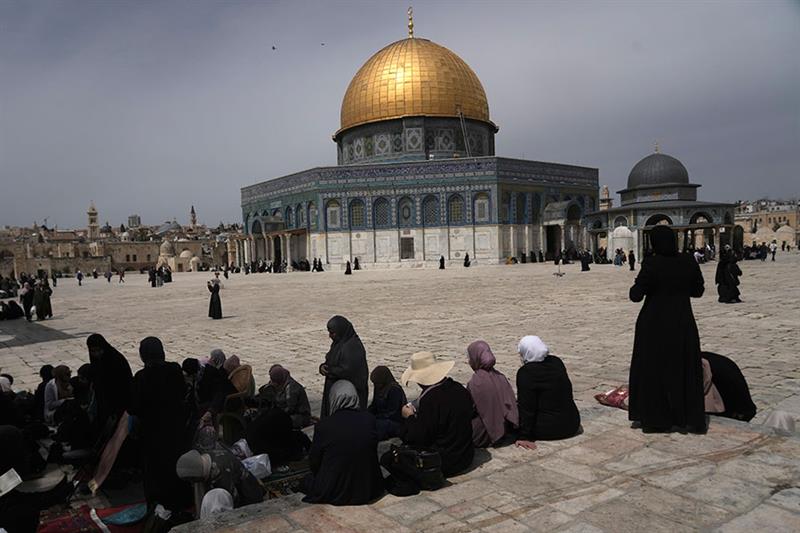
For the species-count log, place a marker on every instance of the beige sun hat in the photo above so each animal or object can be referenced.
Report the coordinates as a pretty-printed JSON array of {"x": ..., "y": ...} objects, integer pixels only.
[{"x": 426, "y": 369}]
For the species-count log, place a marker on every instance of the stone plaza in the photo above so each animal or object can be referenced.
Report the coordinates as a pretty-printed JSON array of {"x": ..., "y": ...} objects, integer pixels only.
[{"x": 738, "y": 477}]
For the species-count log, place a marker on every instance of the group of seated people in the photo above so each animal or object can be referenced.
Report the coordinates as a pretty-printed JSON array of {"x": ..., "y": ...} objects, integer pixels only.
[{"x": 204, "y": 422}]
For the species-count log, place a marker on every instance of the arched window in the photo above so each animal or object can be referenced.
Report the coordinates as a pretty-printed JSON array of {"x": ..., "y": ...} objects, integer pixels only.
[
  {"x": 289, "y": 217},
  {"x": 658, "y": 219},
  {"x": 574, "y": 213},
  {"x": 620, "y": 221},
  {"x": 430, "y": 211},
  {"x": 455, "y": 210},
  {"x": 481, "y": 207},
  {"x": 520, "y": 209},
  {"x": 255, "y": 229},
  {"x": 357, "y": 215},
  {"x": 312, "y": 215},
  {"x": 277, "y": 214},
  {"x": 332, "y": 214},
  {"x": 382, "y": 213},
  {"x": 300, "y": 216},
  {"x": 505, "y": 208},
  {"x": 405, "y": 211}
]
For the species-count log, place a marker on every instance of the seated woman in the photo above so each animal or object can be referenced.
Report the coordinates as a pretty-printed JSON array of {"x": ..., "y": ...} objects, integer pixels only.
[
  {"x": 388, "y": 400},
  {"x": 57, "y": 391},
  {"x": 214, "y": 386},
  {"x": 440, "y": 419},
  {"x": 732, "y": 387},
  {"x": 286, "y": 394},
  {"x": 232, "y": 367},
  {"x": 547, "y": 410},
  {"x": 344, "y": 453},
  {"x": 495, "y": 403}
]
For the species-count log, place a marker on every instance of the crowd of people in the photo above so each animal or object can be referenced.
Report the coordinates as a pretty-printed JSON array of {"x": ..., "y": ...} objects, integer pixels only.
[
  {"x": 175, "y": 414},
  {"x": 205, "y": 423}
]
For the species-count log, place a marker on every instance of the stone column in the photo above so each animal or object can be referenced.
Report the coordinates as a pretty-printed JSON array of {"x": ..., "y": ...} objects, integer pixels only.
[
  {"x": 542, "y": 240},
  {"x": 288, "y": 256},
  {"x": 512, "y": 240}
]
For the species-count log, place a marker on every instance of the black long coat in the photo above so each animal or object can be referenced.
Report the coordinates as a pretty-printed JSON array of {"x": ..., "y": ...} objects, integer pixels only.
[
  {"x": 547, "y": 410},
  {"x": 666, "y": 375},
  {"x": 444, "y": 424},
  {"x": 347, "y": 359},
  {"x": 112, "y": 383},
  {"x": 215, "y": 305},
  {"x": 344, "y": 460},
  {"x": 732, "y": 386},
  {"x": 157, "y": 401}
]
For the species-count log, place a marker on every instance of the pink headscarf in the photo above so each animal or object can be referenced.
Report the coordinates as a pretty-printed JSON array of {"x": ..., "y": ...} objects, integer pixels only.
[{"x": 491, "y": 392}]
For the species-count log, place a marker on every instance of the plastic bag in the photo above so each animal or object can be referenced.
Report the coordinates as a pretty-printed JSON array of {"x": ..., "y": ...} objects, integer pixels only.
[
  {"x": 258, "y": 465},
  {"x": 241, "y": 449}
]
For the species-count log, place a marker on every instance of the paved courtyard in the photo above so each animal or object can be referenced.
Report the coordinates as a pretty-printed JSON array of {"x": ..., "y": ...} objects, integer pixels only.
[{"x": 739, "y": 477}]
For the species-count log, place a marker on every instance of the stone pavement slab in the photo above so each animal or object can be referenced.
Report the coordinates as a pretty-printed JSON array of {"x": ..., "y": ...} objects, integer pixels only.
[{"x": 738, "y": 477}]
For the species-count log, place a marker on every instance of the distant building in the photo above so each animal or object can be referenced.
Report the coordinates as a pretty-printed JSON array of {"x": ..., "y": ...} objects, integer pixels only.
[
  {"x": 659, "y": 193},
  {"x": 764, "y": 221},
  {"x": 107, "y": 248}
]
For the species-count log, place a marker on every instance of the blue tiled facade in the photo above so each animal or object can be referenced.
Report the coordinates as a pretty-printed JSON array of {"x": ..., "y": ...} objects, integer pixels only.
[{"x": 437, "y": 193}]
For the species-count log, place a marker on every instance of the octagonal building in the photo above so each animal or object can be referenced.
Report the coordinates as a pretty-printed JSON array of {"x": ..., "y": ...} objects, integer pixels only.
[{"x": 417, "y": 178}]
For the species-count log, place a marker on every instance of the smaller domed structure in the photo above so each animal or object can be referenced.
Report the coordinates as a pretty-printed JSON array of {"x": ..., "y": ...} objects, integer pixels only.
[
  {"x": 658, "y": 169},
  {"x": 186, "y": 254}
]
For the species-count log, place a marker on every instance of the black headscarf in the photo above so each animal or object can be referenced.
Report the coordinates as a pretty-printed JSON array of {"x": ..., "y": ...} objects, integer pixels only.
[
  {"x": 190, "y": 366},
  {"x": 342, "y": 328},
  {"x": 151, "y": 351},
  {"x": 346, "y": 359},
  {"x": 46, "y": 373},
  {"x": 383, "y": 380},
  {"x": 664, "y": 241},
  {"x": 111, "y": 375}
]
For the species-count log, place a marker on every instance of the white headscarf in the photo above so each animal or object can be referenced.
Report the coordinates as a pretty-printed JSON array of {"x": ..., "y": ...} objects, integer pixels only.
[
  {"x": 532, "y": 349},
  {"x": 215, "y": 501}
]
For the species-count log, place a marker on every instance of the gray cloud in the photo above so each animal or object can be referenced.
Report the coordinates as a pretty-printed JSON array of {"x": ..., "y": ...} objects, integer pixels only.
[{"x": 149, "y": 107}]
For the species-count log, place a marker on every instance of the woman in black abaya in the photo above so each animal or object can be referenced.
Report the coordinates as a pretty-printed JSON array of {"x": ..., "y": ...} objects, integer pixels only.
[
  {"x": 215, "y": 304},
  {"x": 346, "y": 359},
  {"x": 112, "y": 379},
  {"x": 666, "y": 376},
  {"x": 157, "y": 401}
]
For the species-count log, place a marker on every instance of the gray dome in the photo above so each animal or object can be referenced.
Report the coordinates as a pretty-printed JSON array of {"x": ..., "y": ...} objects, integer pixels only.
[{"x": 658, "y": 169}]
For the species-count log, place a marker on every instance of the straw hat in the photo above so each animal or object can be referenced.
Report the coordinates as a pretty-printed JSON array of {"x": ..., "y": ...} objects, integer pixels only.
[{"x": 426, "y": 369}]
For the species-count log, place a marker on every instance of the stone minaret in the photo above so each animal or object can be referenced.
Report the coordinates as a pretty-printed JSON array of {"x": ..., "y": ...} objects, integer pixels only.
[
  {"x": 94, "y": 227},
  {"x": 193, "y": 217},
  {"x": 606, "y": 202}
]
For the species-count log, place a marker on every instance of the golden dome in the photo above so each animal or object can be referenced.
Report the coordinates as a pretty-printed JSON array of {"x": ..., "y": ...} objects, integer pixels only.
[{"x": 413, "y": 77}]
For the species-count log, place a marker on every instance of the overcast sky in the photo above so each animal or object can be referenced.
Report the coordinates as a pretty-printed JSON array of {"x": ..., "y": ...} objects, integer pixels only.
[{"x": 149, "y": 107}]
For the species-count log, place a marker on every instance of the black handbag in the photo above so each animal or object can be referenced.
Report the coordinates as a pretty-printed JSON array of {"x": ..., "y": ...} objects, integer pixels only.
[{"x": 423, "y": 466}]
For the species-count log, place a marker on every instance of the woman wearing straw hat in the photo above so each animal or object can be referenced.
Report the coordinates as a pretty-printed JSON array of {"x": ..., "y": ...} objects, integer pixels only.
[{"x": 441, "y": 418}]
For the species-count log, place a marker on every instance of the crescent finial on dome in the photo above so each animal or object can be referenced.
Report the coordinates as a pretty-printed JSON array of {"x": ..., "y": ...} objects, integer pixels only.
[{"x": 410, "y": 22}]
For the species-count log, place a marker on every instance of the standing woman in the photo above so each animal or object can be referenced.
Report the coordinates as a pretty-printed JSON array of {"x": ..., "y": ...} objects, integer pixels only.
[
  {"x": 346, "y": 359},
  {"x": 156, "y": 400},
  {"x": 112, "y": 379},
  {"x": 632, "y": 260},
  {"x": 215, "y": 305},
  {"x": 666, "y": 376},
  {"x": 41, "y": 299},
  {"x": 26, "y": 299}
]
